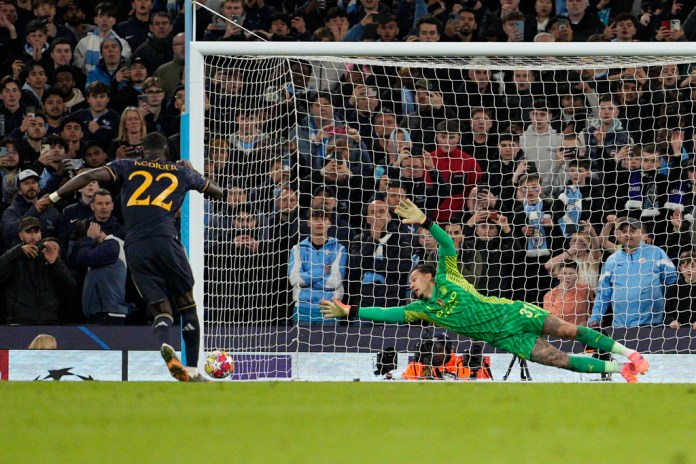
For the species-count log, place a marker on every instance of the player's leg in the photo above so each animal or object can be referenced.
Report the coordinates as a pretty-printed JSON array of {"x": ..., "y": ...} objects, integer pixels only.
[
  {"x": 163, "y": 320},
  {"x": 190, "y": 329},
  {"x": 557, "y": 327},
  {"x": 545, "y": 353}
]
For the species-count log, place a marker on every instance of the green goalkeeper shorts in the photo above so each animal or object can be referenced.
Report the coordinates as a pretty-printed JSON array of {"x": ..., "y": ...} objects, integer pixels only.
[{"x": 520, "y": 330}]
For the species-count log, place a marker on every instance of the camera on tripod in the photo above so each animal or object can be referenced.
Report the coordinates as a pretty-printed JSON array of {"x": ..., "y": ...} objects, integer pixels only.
[{"x": 386, "y": 362}]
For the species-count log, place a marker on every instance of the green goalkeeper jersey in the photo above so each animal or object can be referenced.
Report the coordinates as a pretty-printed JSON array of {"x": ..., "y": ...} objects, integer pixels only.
[{"x": 455, "y": 304}]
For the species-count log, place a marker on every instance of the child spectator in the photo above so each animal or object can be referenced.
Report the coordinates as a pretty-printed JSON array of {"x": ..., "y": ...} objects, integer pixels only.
[
  {"x": 317, "y": 269},
  {"x": 570, "y": 300},
  {"x": 98, "y": 122},
  {"x": 88, "y": 50},
  {"x": 536, "y": 227}
]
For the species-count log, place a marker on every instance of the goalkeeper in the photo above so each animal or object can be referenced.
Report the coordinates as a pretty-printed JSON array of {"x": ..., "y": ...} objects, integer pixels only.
[{"x": 446, "y": 299}]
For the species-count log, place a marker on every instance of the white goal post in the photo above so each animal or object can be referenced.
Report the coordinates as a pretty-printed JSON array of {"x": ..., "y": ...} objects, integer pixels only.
[{"x": 277, "y": 347}]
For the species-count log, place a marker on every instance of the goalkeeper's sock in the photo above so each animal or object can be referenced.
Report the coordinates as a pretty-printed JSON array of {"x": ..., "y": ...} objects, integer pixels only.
[
  {"x": 161, "y": 327},
  {"x": 595, "y": 339},
  {"x": 190, "y": 332},
  {"x": 592, "y": 365}
]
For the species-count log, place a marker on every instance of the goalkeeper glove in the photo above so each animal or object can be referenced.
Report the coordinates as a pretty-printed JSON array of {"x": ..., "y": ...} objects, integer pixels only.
[
  {"x": 410, "y": 213},
  {"x": 333, "y": 308}
]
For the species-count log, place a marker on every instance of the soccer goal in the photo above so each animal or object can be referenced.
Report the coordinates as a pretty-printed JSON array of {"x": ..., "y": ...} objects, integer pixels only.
[{"x": 533, "y": 156}]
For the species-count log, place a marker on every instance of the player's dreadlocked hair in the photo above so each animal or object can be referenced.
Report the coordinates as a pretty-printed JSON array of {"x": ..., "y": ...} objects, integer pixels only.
[{"x": 425, "y": 268}]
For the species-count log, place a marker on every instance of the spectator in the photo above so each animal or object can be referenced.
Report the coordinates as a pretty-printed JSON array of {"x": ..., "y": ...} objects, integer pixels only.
[
  {"x": 543, "y": 12},
  {"x": 460, "y": 169},
  {"x": 573, "y": 114},
  {"x": 559, "y": 28},
  {"x": 430, "y": 112},
  {"x": 11, "y": 109},
  {"x": 33, "y": 48},
  {"x": 51, "y": 165},
  {"x": 87, "y": 52},
  {"x": 380, "y": 260},
  {"x": 317, "y": 269},
  {"x": 33, "y": 276},
  {"x": 493, "y": 241},
  {"x": 158, "y": 49},
  {"x": 396, "y": 147},
  {"x": 30, "y": 134},
  {"x": 72, "y": 133},
  {"x": 605, "y": 138},
  {"x": 135, "y": 29},
  {"x": 74, "y": 16},
  {"x": 462, "y": 26},
  {"x": 102, "y": 206},
  {"x": 351, "y": 149},
  {"x": 35, "y": 86},
  {"x": 54, "y": 108},
  {"x": 218, "y": 167},
  {"x": 172, "y": 72},
  {"x": 584, "y": 24},
  {"x": 66, "y": 84},
  {"x": 131, "y": 132},
  {"x": 9, "y": 173},
  {"x": 475, "y": 92},
  {"x": 384, "y": 124},
  {"x": 540, "y": 141},
  {"x": 536, "y": 228},
  {"x": 387, "y": 28},
  {"x": 480, "y": 142},
  {"x": 503, "y": 172},
  {"x": 110, "y": 62},
  {"x": 74, "y": 212},
  {"x": 363, "y": 103},
  {"x": 98, "y": 122},
  {"x": 238, "y": 247},
  {"x": 337, "y": 22},
  {"x": 128, "y": 85},
  {"x": 324, "y": 198},
  {"x": 421, "y": 181},
  {"x": 95, "y": 156},
  {"x": 585, "y": 250},
  {"x": 570, "y": 299},
  {"x": 45, "y": 11},
  {"x": 314, "y": 130},
  {"x": 276, "y": 175},
  {"x": 104, "y": 290},
  {"x": 623, "y": 29},
  {"x": 511, "y": 22},
  {"x": 43, "y": 342},
  {"x": 633, "y": 280},
  {"x": 481, "y": 205},
  {"x": 680, "y": 310},
  {"x": 230, "y": 26}
]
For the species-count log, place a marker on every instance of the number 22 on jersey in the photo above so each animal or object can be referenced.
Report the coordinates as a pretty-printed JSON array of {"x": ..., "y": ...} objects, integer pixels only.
[{"x": 141, "y": 197}]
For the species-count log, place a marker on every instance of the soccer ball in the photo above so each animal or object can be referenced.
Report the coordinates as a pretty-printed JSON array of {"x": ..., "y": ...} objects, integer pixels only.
[{"x": 219, "y": 364}]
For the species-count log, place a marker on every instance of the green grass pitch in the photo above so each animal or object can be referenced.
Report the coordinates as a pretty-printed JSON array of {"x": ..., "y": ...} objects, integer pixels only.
[{"x": 301, "y": 422}]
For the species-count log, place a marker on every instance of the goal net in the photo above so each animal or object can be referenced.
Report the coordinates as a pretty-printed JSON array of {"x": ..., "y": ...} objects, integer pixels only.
[{"x": 564, "y": 181}]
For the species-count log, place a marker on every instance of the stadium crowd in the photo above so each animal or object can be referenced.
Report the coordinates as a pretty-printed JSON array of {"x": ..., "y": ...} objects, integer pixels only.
[{"x": 572, "y": 189}]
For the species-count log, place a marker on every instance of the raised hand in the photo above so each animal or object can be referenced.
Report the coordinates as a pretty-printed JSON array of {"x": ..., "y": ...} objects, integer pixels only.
[{"x": 409, "y": 213}]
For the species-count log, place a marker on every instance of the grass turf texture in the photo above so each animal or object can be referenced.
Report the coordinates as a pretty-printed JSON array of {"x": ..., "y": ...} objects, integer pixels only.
[{"x": 300, "y": 422}]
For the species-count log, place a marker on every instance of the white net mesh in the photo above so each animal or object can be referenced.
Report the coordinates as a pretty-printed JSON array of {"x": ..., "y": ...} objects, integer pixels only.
[{"x": 530, "y": 164}]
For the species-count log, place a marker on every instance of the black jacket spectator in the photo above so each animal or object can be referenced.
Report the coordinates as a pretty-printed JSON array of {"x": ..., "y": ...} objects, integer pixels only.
[{"x": 33, "y": 287}]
